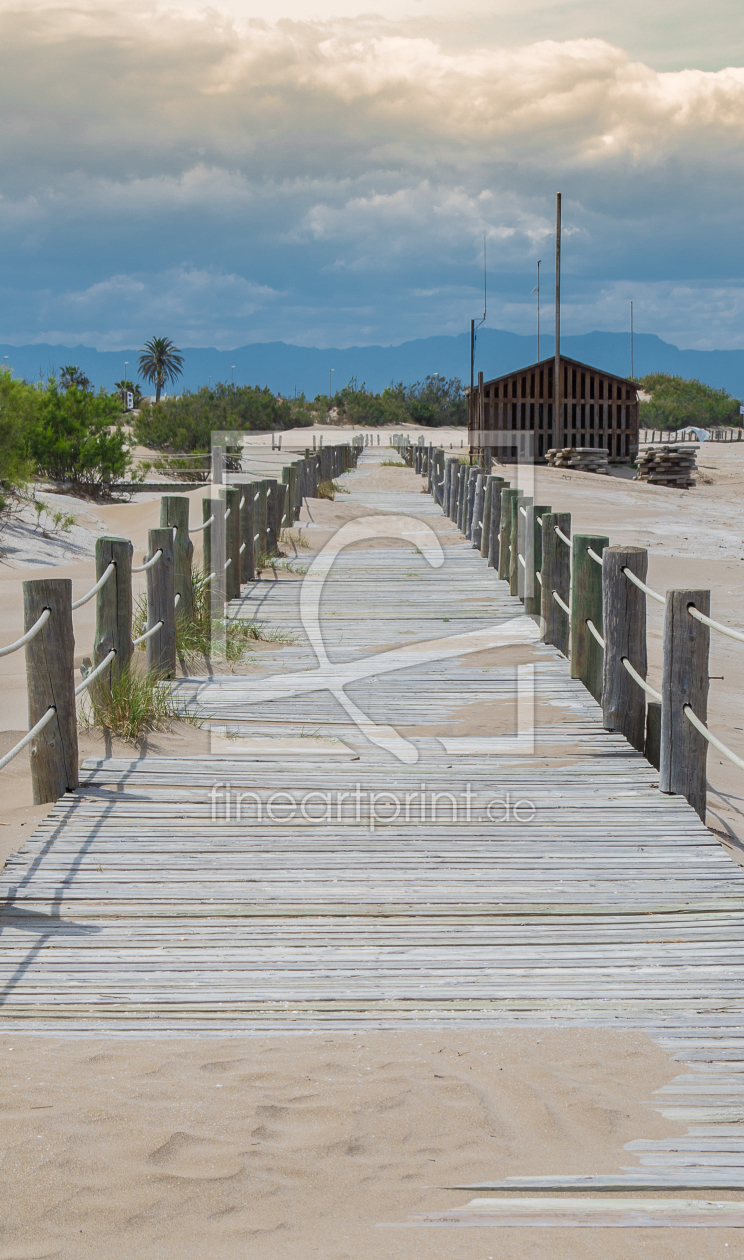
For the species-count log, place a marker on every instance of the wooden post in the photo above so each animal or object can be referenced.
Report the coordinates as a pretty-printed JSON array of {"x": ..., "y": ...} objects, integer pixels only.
[
  {"x": 499, "y": 485},
  {"x": 231, "y": 496},
  {"x": 476, "y": 529},
  {"x": 280, "y": 492},
  {"x": 556, "y": 576},
  {"x": 472, "y": 488},
  {"x": 246, "y": 534},
  {"x": 586, "y": 605},
  {"x": 259, "y": 516},
  {"x": 514, "y": 565},
  {"x": 505, "y": 531},
  {"x": 447, "y": 486},
  {"x": 652, "y": 747},
  {"x": 462, "y": 497},
  {"x": 273, "y": 520},
  {"x": 50, "y": 680},
  {"x": 684, "y": 681},
  {"x": 624, "y": 630},
  {"x": 485, "y": 528},
  {"x": 533, "y": 598},
  {"x": 174, "y": 513},
  {"x": 161, "y": 592},
  {"x": 286, "y": 521},
  {"x": 525, "y": 546},
  {"x": 114, "y": 604}
]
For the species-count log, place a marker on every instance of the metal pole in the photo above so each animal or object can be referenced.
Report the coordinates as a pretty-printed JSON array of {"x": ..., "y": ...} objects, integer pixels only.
[
  {"x": 558, "y": 418},
  {"x": 631, "y": 341},
  {"x": 538, "y": 309}
]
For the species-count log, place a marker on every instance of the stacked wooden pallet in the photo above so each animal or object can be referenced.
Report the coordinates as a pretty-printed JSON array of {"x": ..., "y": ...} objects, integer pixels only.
[
  {"x": 668, "y": 465},
  {"x": 582, "y": 458}
]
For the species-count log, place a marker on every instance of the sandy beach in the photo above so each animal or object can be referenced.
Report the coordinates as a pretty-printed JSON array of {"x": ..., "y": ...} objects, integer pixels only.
[{"x": 287, "y": 1146}]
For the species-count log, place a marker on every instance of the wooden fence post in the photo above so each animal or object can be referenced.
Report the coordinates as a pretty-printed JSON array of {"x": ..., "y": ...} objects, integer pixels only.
[
  {"x": 499, "y": 485},
  {"x": 114, "y": 604},
  {"x": 462, "y": 497},
  {"x": 533, "y": 542},
  {"x": 485, "y": 528},
  {"x": 231, "y": 497},
  {"x": 624, "y": 630},
  {"x": 524, "y": 548},
  {"x": 473, "y": 474},
  {"x": 556, "y": 576},
  {"x": 684, "y": 681},
  {"x": 652, "y": 746},
  {"x": 505, "y": 531},
  {"x": 587, "y": 657},
  {"x": 174, "y": 513},
  {"x": 161, "y": 592},
  {"x": 514, "y": 566},
  {"x": 259, "y": 516},
  {"x": 50, "y": 680},
  {"x": 476, "y": 529},
  {"x": 246, "y": 534},
  {"x": 447, "y": 486},
  {"x": 273, "y": 521}
]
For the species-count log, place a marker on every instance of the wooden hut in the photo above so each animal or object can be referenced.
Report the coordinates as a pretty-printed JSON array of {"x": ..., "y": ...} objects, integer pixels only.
[{"x": 596, "y": 409}]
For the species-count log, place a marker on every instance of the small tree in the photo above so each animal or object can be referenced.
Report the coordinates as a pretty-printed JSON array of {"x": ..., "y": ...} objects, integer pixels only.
[
  {"x": 677, "y": 403},
  {"x": 16, "y": 409},
  {"x": 125, "y": 387},
  {"x": 160, "y": 362},
  {"x": 77, "y": 436}
]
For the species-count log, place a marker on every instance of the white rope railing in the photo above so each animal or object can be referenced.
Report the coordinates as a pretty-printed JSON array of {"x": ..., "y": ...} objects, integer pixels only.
[
  {"x": 227, "y": 562},
  {"x": 561, "y": 603},
  {"x": 524, "y": 514},
  {"x": 715, "y": 625},
  {"x": 256, "y": 537},
  {"x": 595, "y": 632},
  {"x": 194, "y": 529},
  {"x": 538, "y": 575},
  {"x": 711, "y": 738},
  {"x": 78, "y": 603},
  {"x": 562, "y": 536},
  {"x": 29, "y": 635},
  {"x": 593, "y": 555},
  {"x": 227, "y": 513},
  {"x": 642, "y": 586},
  {"x": 209, "y": 579},
  {"x": 655, "y": 695},
  {"x": 140, "y": 568},
  {"x": 19, "y": 747},
  {"x": 241, "y": 549},
  {"x": 148, "y": 633},
  {"x": 242, "y": 501},
  {"x": 177, "y": 599},
  {"x": 85, "y": 684},
  {"x": 520, "y": 558}
]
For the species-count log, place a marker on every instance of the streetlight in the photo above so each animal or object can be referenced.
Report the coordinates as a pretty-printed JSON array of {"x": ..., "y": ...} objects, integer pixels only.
[
  {"x": 126, "y": 365},
  {"x": 232, "y": 369},
  {"x": 330, "y": 384}
]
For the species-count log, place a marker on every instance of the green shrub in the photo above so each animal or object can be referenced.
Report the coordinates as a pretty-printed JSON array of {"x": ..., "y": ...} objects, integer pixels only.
[
  {"x": 433, "y": 401},
  {"x": 77, "y": 436},
  {"x": 677, "y": 402},
  {"x": 186, "y": 424},
  {"x": 17, "y": 400},
  {"x": 132, "y": 703}
]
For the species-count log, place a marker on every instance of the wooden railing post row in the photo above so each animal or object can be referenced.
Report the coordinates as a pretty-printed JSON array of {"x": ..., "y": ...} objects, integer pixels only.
[
  {"x": 114, "y": 604},
  {"x": 587, "y": 657},
  {"x": 174, "y": 513},
  {"x": 476, "y": 529},
  {"x": 624, "y": 631},
  {"x": 684, "y": 681},
  {"x": 50, "y": 681},
  {"x": 556, "y": 576},
  {"x": 533, "y": 557},
  {"x": 161, "y": 591},
  {"x": 231, "y": 497},
  {"x": 246, "y": 534}
]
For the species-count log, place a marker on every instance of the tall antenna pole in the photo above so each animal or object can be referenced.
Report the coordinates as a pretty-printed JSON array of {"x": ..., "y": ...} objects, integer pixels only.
[
  {"x": 557, "y": 369},
  {"x": 538, "y": 308},
  {"x": 472, "y": 352},
  {"x": 631, "y": 341}
]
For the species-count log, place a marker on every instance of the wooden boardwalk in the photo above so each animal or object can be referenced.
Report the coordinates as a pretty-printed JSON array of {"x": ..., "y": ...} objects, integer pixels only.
[{"x": 141, "y": 905}]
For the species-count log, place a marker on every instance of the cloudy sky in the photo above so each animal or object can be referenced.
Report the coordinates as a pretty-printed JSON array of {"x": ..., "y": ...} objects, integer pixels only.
[{"x": 320, "y": 172}]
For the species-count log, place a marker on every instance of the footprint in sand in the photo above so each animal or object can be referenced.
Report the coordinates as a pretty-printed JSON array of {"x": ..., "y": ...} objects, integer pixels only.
[{"x": 202, "y": 1159}]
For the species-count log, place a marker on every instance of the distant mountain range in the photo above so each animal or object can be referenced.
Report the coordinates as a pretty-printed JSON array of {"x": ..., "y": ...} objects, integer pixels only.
[{"x": 287, "y": 369}]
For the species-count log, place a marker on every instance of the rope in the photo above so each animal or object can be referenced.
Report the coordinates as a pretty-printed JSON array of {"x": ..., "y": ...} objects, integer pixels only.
[
  {"x": 706, "y": 734},
  {"x": 148, "y": 633},
  {"x": 28, "y": 636},
  {"x": 140, "y": 568},
  {"x": 177, "y": 599},
  {"x": 593, "y": 630},
  {"x": 642, "y": 587},
  {"x": 195, "y": 528},
  {"x": 561, "y": 604},
  {"x": 708, "y": 621},
  {"x": 27, "y": 738},
  {"x": 256, "y": 537},
  {"x": 593, "y": 555},
  {"x": 521, "y": 560},
  {"x": 228, "y": 561},
  {"x": 241, "y": 549},
  {"x": 538, "y": 575},
  {"x": 227, "y": 513},
  {"x": 655, "y": 695},
  {"x": 78, "y": 603},
  {"x": 562, "y": 536},
  {"x": 209, "y": 579},
  {"x": 85, "y": 684},
  {"x": 539, "y": 521},
  {"x": 524, "y": 514},
  {"x": 242, "y": 501}
]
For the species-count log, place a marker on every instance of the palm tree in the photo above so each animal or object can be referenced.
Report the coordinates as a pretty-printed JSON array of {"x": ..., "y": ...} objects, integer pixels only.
[{"x": 160, "y": 362}]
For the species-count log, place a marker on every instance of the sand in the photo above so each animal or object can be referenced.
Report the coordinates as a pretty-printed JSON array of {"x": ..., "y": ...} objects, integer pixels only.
[{"x": 280, "y": 1148}]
